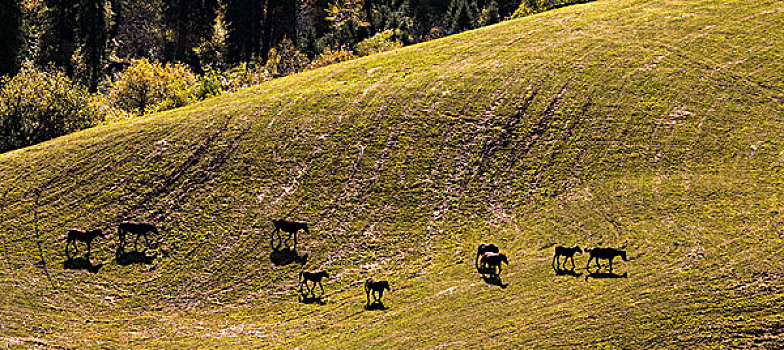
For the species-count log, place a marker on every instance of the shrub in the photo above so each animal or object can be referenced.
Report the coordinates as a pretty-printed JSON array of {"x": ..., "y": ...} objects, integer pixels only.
[
  {"x": 146, "y": 87},
  {"x": 330, "y": 56},
  {"x": 285, "y": 59},
  {"x": 36, "y": 106},
  {"x": 383, "y": 41},
  {"x": 530, "y": 7}
]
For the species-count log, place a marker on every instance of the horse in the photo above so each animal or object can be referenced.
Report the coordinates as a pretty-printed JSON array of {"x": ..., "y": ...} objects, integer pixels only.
[
  {"x": 373, "y": 287},
  {"x": 492, "y": 260},
  {"x": 291, "y": 227},
  {"x": 136, "y": 228},
  {"x": 484, "y": 248},
  {"x": 567, "y": 253},
  {"x": 314, "y": 276},
  {"x": 604, "y": 253},
  {"x": 73, "y": 235}
]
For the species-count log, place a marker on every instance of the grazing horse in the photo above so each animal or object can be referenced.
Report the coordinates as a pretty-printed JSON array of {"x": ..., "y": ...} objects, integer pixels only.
[
  {"x": 73, "y": 235},
  {"x": 484, "y": 248},
  {"x": 314, "y": 276},
  {"x": 291, "y": 227},
  {"x": 135, "y": 228},
  {"x": 373, "y": 287},
  {"x": 567, "y": 253},
  {"x": 492, "y": 260},
  {"x": 604, "y": 253}
]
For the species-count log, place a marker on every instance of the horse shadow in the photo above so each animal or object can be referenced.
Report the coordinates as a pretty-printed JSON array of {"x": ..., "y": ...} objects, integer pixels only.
[
  {"x": 287, "y": 256},
  {"x": 601, "y": 275},
  {"x": 376, "y": 306},
  {"x": 312, "y": 300},
  {"x": 495, "y": 280},
  {"x": 563, "y": 272},
  {"x": 133, "y": 257},
  {"x": 81, "y": 263}
]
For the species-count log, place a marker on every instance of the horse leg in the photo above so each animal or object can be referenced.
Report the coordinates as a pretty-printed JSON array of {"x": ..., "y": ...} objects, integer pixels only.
[
  {"x": 380, "y": 295},
  {"x": 611, "y": 259},
  {"x": 322, "y": 287},
  {"x": 588, "y": 265},
  {"x": 572, "y": 257},
  {"x": 88, "y": 250},
  {"x": 295, "y": 240}
]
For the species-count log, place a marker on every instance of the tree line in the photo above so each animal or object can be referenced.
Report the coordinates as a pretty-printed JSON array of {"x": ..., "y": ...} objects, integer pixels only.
[
  {"x": 91, "y": 39},
  {"x": 99, "y": 60}
]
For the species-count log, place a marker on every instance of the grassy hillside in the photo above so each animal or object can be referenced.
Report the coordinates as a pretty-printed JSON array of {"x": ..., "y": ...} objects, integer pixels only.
[{"x": 657, "y": 125}]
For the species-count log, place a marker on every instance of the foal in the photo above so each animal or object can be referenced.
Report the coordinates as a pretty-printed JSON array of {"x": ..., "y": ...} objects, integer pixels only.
[
  {"x": 291, "y": 227},
  {"x": 314, "y": 276},
  {"x": 373, "y": 287},
  {"x": 136, "y": 228},
  {"x": 73, "y": 235},
  {"x": 604, "y": 253},
  {"x": 567, "y": 253},
  {"x": 493, "y": 260},
  {"x": 484, "y": 248}
]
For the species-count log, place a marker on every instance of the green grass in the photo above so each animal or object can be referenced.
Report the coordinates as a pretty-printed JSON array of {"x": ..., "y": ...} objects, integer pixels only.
[{"x": 654, "y": 124}]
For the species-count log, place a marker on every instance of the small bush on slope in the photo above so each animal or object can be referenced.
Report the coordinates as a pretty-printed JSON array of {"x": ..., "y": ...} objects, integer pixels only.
[
  {"x": 36, "y": 106},
  {"x": 147, "y": 86}
]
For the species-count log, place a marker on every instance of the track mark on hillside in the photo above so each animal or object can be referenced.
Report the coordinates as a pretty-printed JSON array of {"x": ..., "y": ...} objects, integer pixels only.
[
  {"x": 452, "y": 182},
  {"x": 170, "y": 180}
]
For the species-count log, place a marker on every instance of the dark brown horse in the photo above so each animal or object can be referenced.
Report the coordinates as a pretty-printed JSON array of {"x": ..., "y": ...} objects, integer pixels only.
[
  {"x": 484, "y": 248},
  {"x": 492, "y": 261},
  {"x": 292, "y": 227},
  {"x": 314, "y": 276},
  {"x": 567, "y": 253},
  {"x": 373, "y": 287},
  {"x": 604, "y": 253},
  {"x": 135, "y": 228},
  {"x": 73, "y": 235}
]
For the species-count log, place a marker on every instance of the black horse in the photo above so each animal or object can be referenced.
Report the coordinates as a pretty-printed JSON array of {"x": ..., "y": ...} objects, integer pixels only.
[
  {"x": 604, "y": 253},
  {"x": 484, "y": 248},
  {"x": 567, "y": 253}
]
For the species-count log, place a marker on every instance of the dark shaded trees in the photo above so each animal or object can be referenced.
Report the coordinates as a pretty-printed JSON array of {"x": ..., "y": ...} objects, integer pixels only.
[
  {"x": 189, "y": 22},
  {"x": 93, "y": 35},
  {"x": 10, "y": 36},
  {"x": 243, "y": 26}
]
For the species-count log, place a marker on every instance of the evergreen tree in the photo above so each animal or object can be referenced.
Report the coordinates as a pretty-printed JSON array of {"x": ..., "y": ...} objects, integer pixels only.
[
  {"x": 243, "y": 26},
  {"x": 10, "y": 36},
  {"x": 461, "y": 15},
  {"x": 93, "y": 37},
  {"x": 58, "y": 40},
  {"x": 188, "y": 22},
  {"x": 280, "y": 21}
]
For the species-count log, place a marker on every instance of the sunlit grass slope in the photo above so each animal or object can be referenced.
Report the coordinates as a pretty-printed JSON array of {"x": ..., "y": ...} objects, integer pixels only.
[{"x": 657, "y": 125}]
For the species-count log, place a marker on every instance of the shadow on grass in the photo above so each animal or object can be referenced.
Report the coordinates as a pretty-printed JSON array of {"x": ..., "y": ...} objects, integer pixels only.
[
  {"x": 133, "y": 257},
  {"x": 601, "y": 275},
  {"x": 495, "y": 280},
  {"x": 375, "y": 306},
  {"x": 81, "y": 263},
  {"x": 312, "y": 300},
  {"x": 287, "y": 256},
  {"x": 560, "y": 272}
]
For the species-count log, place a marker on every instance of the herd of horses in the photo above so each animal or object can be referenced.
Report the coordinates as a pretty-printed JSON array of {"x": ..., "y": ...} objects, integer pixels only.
[{"x": 489, "y": 258}]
